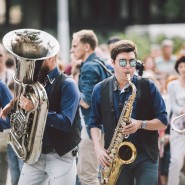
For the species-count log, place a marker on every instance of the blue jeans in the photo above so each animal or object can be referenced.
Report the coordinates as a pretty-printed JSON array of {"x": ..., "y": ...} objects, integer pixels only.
[
  {"x": 15, "y": 165},
  {"x": 143, "y": 171}
]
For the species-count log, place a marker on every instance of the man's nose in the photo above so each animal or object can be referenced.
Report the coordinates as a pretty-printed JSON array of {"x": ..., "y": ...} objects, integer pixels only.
[{"x": 127, "y": 65}]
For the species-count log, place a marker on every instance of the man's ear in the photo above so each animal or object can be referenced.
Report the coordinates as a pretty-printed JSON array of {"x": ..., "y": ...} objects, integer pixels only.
[{"x": 87, "y": 47}]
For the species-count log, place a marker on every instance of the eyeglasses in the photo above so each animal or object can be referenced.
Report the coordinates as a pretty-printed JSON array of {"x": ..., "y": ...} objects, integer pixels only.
[{"x": 123, "y": 62}]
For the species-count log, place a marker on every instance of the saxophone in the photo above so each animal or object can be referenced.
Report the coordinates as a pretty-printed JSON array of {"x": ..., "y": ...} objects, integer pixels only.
[
  {"x": 121, "y": 152},
  {"x": 31, "y": 47}
]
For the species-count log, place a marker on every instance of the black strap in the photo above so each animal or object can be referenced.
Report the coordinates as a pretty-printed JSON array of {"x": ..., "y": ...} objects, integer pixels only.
[{"x": 104, "y": 67}]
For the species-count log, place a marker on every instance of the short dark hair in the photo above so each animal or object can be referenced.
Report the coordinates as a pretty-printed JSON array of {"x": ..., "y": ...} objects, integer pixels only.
[
  {"x": 181, "y": 59},
  {"x": 122, "y": 46},
  {"x": 87, "y": 36},
  {"x": 112, "y": 40}
]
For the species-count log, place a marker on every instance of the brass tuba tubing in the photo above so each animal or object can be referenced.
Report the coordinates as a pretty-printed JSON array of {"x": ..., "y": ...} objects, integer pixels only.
[{"x": 31, "y": 47}]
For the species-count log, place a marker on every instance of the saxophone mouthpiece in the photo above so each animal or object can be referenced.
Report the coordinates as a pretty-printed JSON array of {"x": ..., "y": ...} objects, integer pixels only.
[{"x": 128, "y": 76}]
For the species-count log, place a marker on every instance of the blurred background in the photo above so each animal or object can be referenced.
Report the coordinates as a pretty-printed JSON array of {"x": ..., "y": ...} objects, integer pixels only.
[
  {"x": 146, "y": 22},
  {"x": 152, "y": 24}
]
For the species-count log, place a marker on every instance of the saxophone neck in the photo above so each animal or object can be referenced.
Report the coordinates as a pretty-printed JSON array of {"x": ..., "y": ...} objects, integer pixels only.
[{"x": 131, "y": 84}]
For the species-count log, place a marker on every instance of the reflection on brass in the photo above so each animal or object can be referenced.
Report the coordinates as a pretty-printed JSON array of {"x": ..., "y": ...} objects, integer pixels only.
[
  {"x": 30, "y": 47},
  {"x": 28, "y": 44}
]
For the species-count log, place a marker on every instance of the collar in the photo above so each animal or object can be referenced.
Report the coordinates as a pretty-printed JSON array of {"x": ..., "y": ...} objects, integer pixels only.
[
  {"x": 116, "y": 86},
  {"x": 53, "y": 74},
  {"x": 91, "y": 57}
]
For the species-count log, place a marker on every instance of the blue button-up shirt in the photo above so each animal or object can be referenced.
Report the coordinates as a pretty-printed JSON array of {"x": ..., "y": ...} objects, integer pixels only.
[
  {"x": 121, "y": 96},
  {"x": 69, "y": 103},
  {"x": 5, "y": 97},
  {"x": 90, "y": 74}
]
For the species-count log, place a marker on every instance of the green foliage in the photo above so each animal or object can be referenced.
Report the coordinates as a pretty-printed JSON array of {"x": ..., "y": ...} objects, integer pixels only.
[
  {"x": 143, "y": 41},
  {"x": 174, "y": 9}
]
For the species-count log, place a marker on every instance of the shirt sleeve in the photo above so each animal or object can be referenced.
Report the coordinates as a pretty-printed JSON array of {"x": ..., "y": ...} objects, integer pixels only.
[
  {"x": 158, "y": 104},
  {"x": 5, "y": 97},
  {"x": 95, "y": 115},
  {"x": 69, "y": 103},
  {"x": 89, "y": 78}
]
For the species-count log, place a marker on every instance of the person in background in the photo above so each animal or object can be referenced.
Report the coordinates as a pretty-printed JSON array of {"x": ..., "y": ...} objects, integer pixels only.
[
  {"x": 108, "y": 101},
  {"x": 166, "y": 61},
  {"x": 155, "y": 51},
  {"x": 5, "y": 77},
  {"x": 176, "y": 90},
  {"x": 75, "y": 75},
  {"x": 83, "y": 47},
  {"x": 5, "y": 98},
  {"x": 6, "y": 74},
  {"x": 11, "y": 62}
]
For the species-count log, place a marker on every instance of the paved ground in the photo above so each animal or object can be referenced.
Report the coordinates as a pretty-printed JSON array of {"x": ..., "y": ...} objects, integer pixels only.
[{"x": 182, "y": 179}]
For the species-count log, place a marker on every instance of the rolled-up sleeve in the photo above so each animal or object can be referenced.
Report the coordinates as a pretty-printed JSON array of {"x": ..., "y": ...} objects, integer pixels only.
[
  {"x": 89, "y": 77},
  {"x": 95, "y": 115}
]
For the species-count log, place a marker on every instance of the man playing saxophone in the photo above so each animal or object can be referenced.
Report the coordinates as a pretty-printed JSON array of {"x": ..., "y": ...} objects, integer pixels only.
[{"x": 147, "y": 115}]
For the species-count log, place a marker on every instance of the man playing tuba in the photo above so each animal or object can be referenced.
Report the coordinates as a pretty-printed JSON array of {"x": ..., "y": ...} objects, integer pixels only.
[{"x": 56, "y": 163}]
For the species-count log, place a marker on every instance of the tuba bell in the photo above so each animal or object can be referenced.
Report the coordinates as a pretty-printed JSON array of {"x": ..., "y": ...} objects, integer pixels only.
[{"x": 31, "y": 47}]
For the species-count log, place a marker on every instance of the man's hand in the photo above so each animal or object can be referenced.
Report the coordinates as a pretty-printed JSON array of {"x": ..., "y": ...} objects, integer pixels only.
[
  {"x": 84, "y": 105},
  {"x": 25, "y": 103},
  {"x": 102, "y": 156},
  {"x": 132, "y": 127},
  {"x": 7, "y": 109}
]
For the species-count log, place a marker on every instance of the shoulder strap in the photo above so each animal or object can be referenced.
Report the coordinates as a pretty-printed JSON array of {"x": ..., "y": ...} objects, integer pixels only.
[
  {"x": 104, "y": 67},
  {"x": 107, "y": 109},
  {"x": 143, "y": 98},
  {"x": 107, "y": 87}
]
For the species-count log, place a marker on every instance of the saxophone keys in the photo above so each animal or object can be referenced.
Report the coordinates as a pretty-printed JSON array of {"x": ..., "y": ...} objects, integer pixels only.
[
  {"x": 111, "y": 156},
  {"x": 119, "y": 139},
  {"x": 113, "y": 151}
]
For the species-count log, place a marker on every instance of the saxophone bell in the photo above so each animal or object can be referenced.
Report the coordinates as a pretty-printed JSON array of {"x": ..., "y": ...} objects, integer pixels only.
[{"x": 127, "y": 152}]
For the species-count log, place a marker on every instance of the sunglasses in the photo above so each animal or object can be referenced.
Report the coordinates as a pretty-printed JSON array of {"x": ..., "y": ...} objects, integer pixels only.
[{"x": 123, "y": 62}]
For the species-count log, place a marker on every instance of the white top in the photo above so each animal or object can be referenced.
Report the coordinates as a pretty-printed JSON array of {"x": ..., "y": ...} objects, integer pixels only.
[{"x": 177, "y": 98}]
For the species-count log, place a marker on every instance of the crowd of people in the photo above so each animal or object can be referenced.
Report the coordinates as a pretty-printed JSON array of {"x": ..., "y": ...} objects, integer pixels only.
[{"x": 86, "y": 99}]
